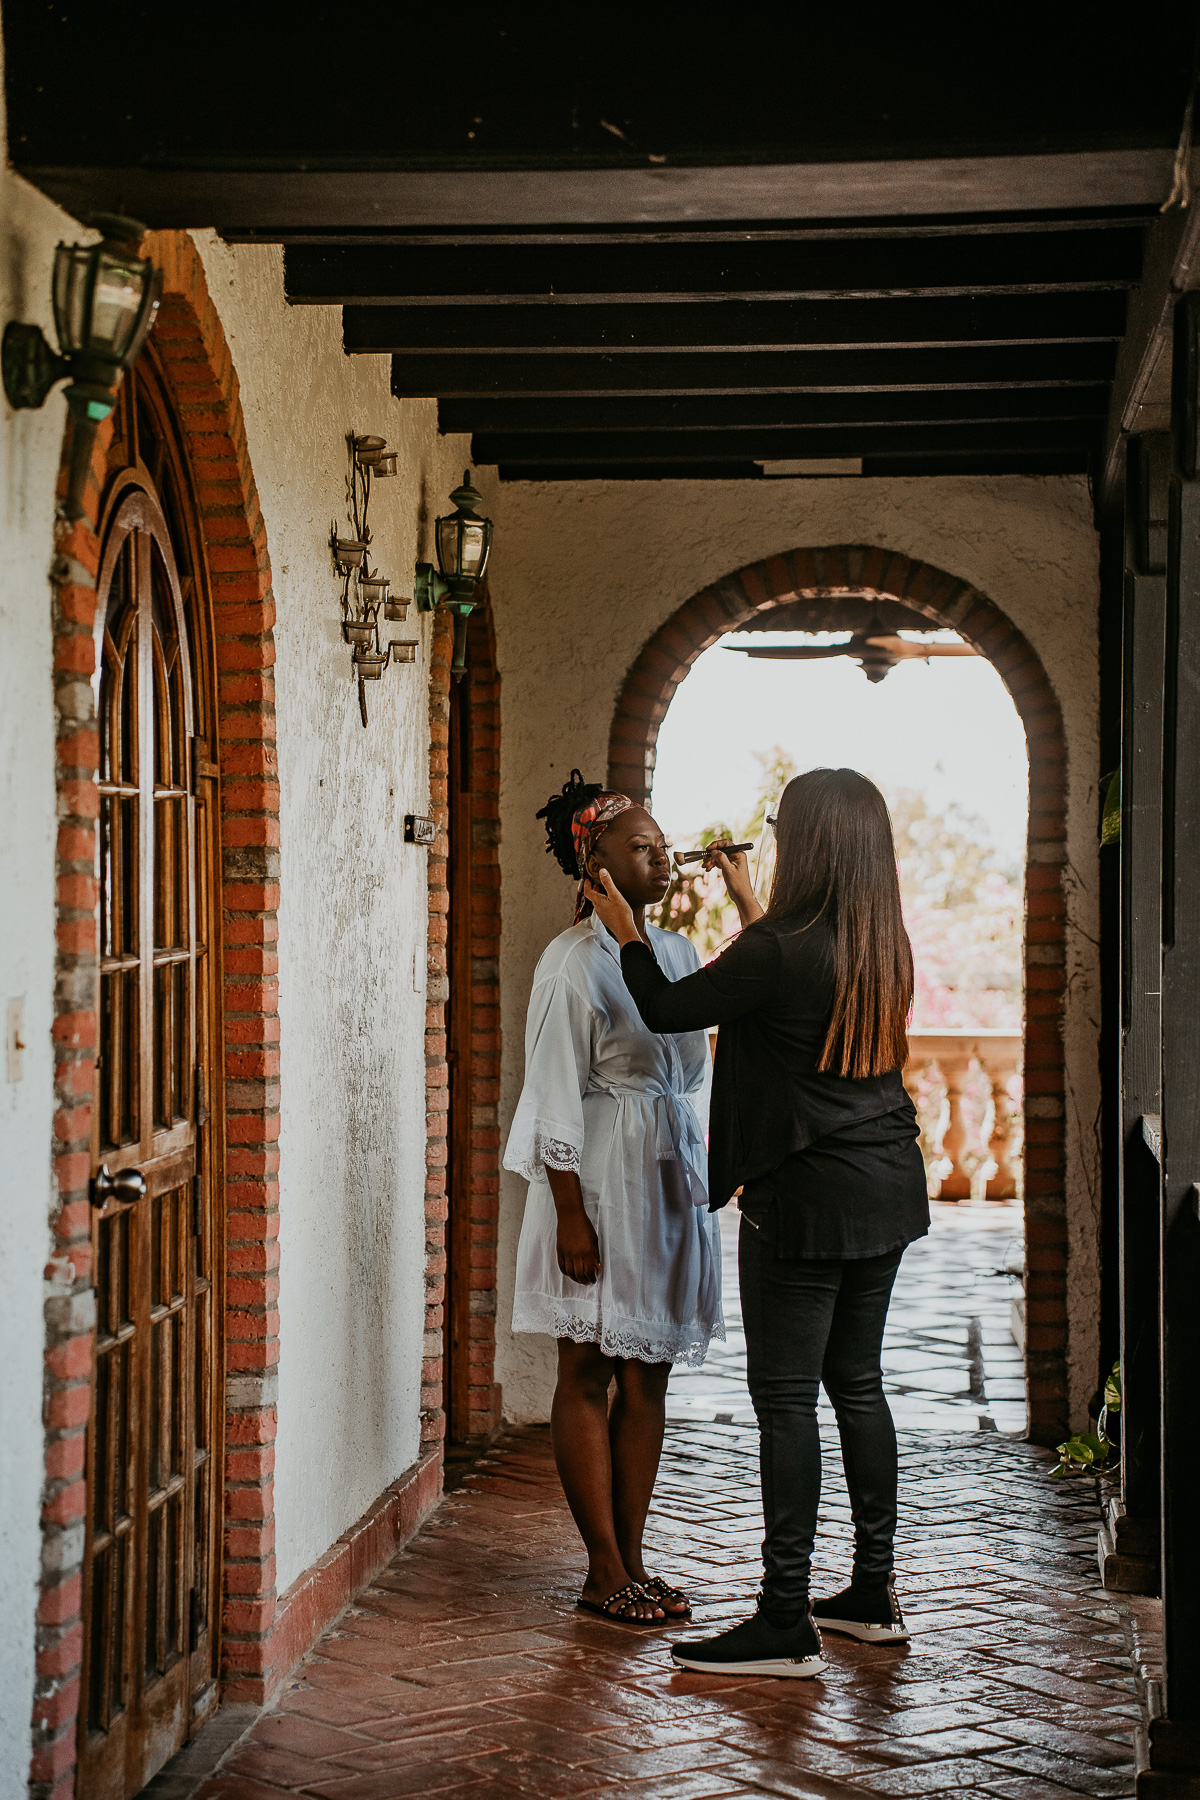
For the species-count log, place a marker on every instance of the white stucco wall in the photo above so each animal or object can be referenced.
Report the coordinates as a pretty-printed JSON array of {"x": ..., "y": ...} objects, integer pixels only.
[
  {"x": 30, "y": 446},
  {"x": 352, "y": 919},
  {"x": 583, "y": 573}
]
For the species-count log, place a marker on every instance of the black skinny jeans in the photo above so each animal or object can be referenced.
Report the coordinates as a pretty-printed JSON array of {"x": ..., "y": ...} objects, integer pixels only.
[{"x": 810, "y": 1321}]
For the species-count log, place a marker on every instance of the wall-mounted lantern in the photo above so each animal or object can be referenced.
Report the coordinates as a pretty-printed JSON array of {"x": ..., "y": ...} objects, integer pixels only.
[
  {"x": 463, "y": 540},
  {"x": 366, "y": 594},
  {"x": 105, "y": 300}
]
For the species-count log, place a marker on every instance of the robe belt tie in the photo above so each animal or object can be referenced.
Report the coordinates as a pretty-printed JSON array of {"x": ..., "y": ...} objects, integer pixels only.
[{"x": 677, "y": 1134}]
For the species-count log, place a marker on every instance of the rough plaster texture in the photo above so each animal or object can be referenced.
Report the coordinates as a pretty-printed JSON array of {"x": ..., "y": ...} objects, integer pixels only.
[
  {"x": 353, "y": 908},
  {"x": 30, "y": 446},
  {"x": 583, "y": 573}
]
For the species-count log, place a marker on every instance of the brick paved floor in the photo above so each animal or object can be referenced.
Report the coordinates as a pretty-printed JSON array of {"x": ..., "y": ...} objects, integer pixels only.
[{"x": 465, "y": 1670}]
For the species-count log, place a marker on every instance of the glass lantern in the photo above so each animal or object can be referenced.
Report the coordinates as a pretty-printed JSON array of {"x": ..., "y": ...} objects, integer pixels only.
[
  {"x": 105, "y": 299},
  {"x": 463, "y": 538}
]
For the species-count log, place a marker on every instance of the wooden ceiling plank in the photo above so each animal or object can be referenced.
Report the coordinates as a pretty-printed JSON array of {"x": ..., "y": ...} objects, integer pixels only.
[
  {"x": 771, "y": 445},
  {"x": 1006, "y": 264},
  {"x": 1048, "y": 318},
  {"x": 692, "y": 232},
  {"x": 578, "y": 373},
  {"x": 1028, "y": 462},
  {"x": 724, "y": 411},
  {"x": 375, "y": 195},
  {"x": 1172, "y": 267}
]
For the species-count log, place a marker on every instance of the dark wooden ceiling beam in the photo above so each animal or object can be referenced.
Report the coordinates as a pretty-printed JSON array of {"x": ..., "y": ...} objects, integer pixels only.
[
  {"x": 1141, "y": 388},
  {"x": 698, "y": 272},
  {"x": 1043, "y": 318},
  {"x": 577, "y": 373},
  {"x": 272, "y": 201},
  {"x": 763, "y": 444},
  {"x": 700, "y": 412},
  {"x": 740, "y": 232},
  {"x": 1027, "y": 462},
  {"x": 819, "y": 100}
]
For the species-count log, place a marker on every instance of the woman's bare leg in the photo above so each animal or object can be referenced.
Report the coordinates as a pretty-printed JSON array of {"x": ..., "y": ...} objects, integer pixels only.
[
  {"x": 635, "y": 1433},
  {"x": 579, "y": 1432}
]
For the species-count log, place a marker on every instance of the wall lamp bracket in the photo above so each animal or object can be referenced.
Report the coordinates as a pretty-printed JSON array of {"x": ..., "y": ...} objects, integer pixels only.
[
  {"x": 105, "y": 299},
  {"x": 463, "y": 539},
  {"x": 31, "y": 368},
  {"x": 456, "y": 596}
]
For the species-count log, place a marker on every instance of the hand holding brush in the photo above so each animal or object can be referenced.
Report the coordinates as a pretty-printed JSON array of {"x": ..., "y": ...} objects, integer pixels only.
[{"x": 683, "y": 857}]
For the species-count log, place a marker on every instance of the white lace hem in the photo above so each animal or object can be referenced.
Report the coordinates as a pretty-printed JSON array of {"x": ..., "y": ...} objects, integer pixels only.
[
  {"x": 548, "y": 1153},
  {"x": 633, "y": 1340}
]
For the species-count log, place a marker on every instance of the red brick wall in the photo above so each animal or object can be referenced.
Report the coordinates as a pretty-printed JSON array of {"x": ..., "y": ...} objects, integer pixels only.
[
  {"x": 862, "y": 571},
  {"x": 70, "y": 1308},
  {"x": 190, "y": 347},
  {"x": 484, "y": 1395},
  {"x": 259, "y": 1637},
  {"x": 196, "y": 361},
  {"x": 437, "y": 1069}
]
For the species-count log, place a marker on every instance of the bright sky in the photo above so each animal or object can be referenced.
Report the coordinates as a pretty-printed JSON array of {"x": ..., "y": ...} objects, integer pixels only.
[{"x": 946, "y": 728}]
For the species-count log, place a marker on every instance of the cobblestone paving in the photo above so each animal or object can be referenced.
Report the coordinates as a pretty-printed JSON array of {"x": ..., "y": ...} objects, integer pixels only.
[
  {"x": 949, "y": 1360},
  {"x": 465, "y": 1670}
]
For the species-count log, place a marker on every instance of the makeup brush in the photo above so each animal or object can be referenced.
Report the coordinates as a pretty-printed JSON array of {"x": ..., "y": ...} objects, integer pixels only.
[{"x": 690, "y": 856}]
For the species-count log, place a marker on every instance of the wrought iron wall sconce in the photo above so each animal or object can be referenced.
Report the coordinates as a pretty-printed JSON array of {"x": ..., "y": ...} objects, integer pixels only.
[
  {"x": 366, "y": 594},
  {"x": 105, "y": 299},
  {"x": 463, "y": 540}
]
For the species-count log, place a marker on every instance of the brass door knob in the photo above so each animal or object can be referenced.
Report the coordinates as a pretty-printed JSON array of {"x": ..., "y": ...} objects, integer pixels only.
[{"x": 127, "y": 1184}]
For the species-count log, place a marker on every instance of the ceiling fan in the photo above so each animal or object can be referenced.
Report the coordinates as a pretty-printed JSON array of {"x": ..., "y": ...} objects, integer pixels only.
[{"x": 875, "y": 650}]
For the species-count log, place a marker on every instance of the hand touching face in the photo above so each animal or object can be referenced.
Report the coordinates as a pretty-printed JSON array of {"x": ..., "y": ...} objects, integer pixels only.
[{"x": 634, "y": 851}]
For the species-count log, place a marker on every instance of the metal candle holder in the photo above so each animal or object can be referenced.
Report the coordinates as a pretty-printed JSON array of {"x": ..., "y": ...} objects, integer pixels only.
[{"x": 366, "y": 594}]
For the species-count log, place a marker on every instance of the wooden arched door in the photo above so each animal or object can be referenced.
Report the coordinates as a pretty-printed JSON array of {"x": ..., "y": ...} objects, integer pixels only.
[{"x": 151, "y": 1563}]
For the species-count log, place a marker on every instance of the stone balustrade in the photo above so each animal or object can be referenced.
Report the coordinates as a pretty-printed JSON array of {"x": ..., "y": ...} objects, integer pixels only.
[{"x": 956, "y": 1053}]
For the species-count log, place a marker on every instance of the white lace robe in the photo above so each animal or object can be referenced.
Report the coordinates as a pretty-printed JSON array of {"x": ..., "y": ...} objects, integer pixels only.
[{"x": 628, "y": 1110}]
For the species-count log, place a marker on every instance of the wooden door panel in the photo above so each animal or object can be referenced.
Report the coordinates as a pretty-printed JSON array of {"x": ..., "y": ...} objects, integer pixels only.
[
  {"x": 111, "y": 1497},
  {"x": 152, "y": 1549},
  {"x": 119, "y": 1098}
]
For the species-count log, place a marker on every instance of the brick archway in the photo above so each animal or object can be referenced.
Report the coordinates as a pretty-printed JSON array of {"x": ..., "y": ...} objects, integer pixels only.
[
  {"x": 193, "y": 360},
  {"x": 865, "y": 572}
]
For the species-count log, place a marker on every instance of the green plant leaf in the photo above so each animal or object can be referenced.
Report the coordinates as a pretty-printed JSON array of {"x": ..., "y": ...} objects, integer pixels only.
[
  {"x": 1086, "y": 1450},
  {"x": 1112, "y": 1389},
  {"x": 1110, "y": 818}
]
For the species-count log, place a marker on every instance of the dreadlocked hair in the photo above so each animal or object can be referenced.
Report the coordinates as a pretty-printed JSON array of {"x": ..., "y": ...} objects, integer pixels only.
[{"x": 558, "y": 812}]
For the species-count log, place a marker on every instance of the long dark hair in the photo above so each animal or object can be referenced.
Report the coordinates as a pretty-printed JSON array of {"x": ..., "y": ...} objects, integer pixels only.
[{"x": 836, "y": 859}]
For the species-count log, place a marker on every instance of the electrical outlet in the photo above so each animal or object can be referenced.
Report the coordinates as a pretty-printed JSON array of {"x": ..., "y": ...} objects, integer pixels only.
[{"x": 14, "y": 1038}]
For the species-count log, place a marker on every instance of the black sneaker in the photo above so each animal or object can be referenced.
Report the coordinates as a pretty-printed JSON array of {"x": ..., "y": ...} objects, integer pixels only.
[
  {"x": 870, "y": 1614},
  {"x": 755, "y": 1647}
]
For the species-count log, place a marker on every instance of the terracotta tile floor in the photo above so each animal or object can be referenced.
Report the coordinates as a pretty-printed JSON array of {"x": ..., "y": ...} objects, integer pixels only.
[{"x": 465, "y": 1670}]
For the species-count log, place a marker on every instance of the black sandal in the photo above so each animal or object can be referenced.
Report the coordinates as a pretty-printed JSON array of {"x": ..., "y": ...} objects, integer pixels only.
[
  {"x": 662, "y": 1591},
  {"x": 612, "y": 1607}
]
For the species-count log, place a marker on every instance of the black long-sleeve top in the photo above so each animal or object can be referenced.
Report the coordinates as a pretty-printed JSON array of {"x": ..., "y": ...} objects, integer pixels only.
[{"x": 828, "y": 1164}]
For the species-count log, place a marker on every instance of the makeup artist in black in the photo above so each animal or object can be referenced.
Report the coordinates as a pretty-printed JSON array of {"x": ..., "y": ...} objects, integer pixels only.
[{"x": 811, "y": 1126}]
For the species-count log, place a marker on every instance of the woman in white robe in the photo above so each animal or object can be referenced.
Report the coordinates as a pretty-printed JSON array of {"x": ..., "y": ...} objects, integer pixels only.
[{"x": 619, "y": 1257}]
